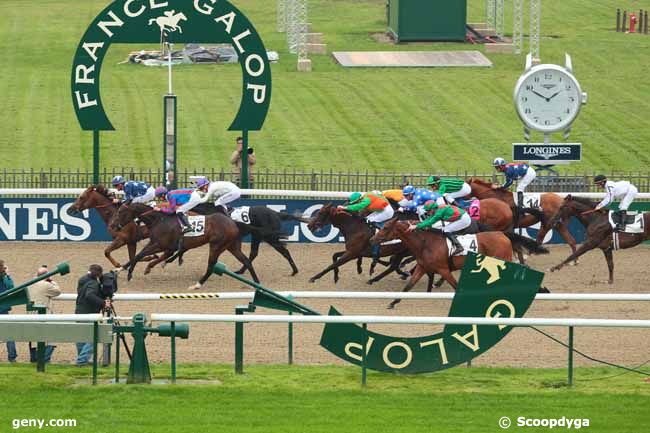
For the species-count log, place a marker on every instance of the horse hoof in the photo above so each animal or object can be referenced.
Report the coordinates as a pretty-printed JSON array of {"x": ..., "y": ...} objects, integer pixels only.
[
  {"x": 294, "y": 273},
  {"x": 369, "y": 282},
  {"x": 196, "y": 286},
  {"x": 241, "y": 271},
  {"x": 390, "y": 307},
  {"x": 312, "y": 280},
  {"x": 543, "y": 290},
  {"x": 147, "y": 271},
  {"x": 163, "y": 265},
  {"x": 404, "y": 277},
  {"x": 128, "y": 277},
  {"x": 118, "y": 269}
]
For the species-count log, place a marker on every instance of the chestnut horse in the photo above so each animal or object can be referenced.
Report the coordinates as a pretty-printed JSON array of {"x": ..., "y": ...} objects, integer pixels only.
[
  {"x": 432, "y": 255},
  {"x": 599, "y": 231},
  {"x": 220, "y": 232},
  {"x": 549, "y": 202},
  {"x": 98, "y": 197}
]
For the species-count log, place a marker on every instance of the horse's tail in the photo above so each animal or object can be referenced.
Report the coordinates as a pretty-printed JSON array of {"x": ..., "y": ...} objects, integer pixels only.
[
  {"x": 292, "y": 217},
  {"x": 530, "y": 245},
  {"x": 536, "y": 213}
]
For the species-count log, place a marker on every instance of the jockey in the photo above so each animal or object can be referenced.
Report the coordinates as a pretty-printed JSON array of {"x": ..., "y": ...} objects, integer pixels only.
[
  {"x": 623, "y": 190},
  {"x": 221, "y": 192},
  {"x": 395, "y": 195},
  {"x": 174, "y": 199},
  {"x": 450, "y": 189},
  {"x": 520, "y": 171},
  {"x": 417, "y": 197},
  {"x": 456, "y": 218},
  {"x": 379, "y": 211},
  {"x": 137, "y": 192}
]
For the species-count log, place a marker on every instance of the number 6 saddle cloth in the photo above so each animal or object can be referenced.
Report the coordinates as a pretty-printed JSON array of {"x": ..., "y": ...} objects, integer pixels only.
[{"x": 469, "y": 243}]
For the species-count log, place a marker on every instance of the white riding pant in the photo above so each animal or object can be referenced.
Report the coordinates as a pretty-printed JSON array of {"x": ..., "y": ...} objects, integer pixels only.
[
  {"x": 628, "y": 198},
  {"x": 464, "y": 191},
  {"x": 526, "y": 180},
  {"x": 228, "y": 197},
  {"x": 148, "y": 196},
  {"x": 380, "y": 217},
  {"x": 461, "y": 224}
]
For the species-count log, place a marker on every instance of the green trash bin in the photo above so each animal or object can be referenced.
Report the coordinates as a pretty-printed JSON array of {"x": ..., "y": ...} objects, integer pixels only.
[{"x": 427, "y": 20}]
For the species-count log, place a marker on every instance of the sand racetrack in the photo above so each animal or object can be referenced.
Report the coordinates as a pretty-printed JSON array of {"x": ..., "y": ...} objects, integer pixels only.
[{"x": 267, "y": 343}]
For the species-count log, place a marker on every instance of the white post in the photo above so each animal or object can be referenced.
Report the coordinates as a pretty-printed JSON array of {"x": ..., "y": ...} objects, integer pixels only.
[{"x": 169, "y": 67}]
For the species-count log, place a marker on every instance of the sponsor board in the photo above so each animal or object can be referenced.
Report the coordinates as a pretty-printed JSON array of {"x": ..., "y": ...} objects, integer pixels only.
[{"x": 547, "y": 154}]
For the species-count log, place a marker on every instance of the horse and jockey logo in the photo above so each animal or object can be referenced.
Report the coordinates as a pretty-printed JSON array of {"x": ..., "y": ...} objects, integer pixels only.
[
  {"x": 492, "y": 266},
  {"x": 169, "y": 21}
]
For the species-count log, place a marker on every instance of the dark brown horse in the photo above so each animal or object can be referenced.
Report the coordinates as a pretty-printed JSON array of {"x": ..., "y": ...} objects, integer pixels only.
[
  {"x": 549, "y": 202},
  {"x": 220, "y": 232},
  {"x": 599, "y": 231},
  {"x": 432, "y": 256},
  {"x": 98, "y": 197},
  {"x": 357, "y": 235}
]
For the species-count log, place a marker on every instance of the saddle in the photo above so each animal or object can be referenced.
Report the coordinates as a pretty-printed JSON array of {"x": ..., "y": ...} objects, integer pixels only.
[{"x": 633, "y": 221}]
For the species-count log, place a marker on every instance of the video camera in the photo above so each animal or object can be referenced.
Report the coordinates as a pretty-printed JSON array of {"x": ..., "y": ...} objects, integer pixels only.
[{"x": 108, "y": 284}]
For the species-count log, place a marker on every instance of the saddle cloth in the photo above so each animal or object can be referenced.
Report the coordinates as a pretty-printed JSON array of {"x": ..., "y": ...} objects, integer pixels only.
[
  {"x": 241, "y": 214},
  {"x": 474, "y": 210},
  {"x": 633, "y": 222},
  {"x": 468, "y": 242},
  {"x": 198, "y": 224},
  {"x": 531, "y": 199}
]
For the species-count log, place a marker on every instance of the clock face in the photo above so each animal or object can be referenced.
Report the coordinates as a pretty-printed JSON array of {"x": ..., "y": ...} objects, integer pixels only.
[{"x": 548, "y": 98}]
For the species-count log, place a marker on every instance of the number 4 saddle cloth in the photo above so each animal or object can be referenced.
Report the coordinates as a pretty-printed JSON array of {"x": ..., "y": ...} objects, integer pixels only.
[{"x": 469, "y": 243}]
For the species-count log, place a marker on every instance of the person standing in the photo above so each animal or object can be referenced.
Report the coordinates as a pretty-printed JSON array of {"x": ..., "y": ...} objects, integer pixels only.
[
  {"x": 41, "y": 293},
  {"x": 89, "y": 301},
  {"x": 237, "y": 159},
  {"x": 6, "y": 283}
]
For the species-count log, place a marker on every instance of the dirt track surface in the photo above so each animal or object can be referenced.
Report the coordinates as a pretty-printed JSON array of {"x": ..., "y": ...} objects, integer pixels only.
[{"x": 267, "y": 343}]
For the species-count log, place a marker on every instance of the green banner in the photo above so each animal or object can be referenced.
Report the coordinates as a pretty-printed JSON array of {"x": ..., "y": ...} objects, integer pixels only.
[
  {"x": 174, "y": 21},
  {"x": 488, "y": 287}
]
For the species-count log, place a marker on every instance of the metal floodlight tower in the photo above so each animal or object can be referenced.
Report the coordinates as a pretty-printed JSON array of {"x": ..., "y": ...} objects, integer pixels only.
[
  {"x": 301, "y": 39},
  {"x": 281, "y": 16},
  {"x": 535, "y": 24},
  {"x": 490, "y": 14},
  {"x": 500, "y": 27},
  {"x": 518, "y": 25}
]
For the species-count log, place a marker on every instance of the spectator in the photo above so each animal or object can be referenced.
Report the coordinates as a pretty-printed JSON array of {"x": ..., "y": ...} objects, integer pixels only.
[
  {"x": 6, "y": 283},
  {"x": 41, "y": 293},
  {"x": 89, "y": 301},
  {"x": 237, "y": 160}
]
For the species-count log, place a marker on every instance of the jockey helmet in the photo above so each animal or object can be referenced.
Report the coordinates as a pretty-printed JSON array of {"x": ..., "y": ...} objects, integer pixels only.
[
  {"x": 498, "y": 162},
  {"x": 601, "y": 178},
  {"x": 433, "y": 180},
  {"x": 430, "y": 205},
  {"x": 355, "y": 197},
  {"x": 117, "y": 180},
  {"x": 160, "y": 191},
  {"x": 202, "y": 182},
  {"x": 408, "y": 189}
]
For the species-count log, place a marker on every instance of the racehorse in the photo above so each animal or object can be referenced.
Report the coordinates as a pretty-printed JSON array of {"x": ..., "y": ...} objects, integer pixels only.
[
  {"x": 599, "y": 231},
  {"x": 432, "y": 256},
  {"x": 264, "y": 225},
  {"x": 550, "y": 203},
  {"x": 357, "y": 235},
  {"x": 220, "y": 232},
  {"x": 169, "y": 21},
  {"x": 98, "y": 197}
]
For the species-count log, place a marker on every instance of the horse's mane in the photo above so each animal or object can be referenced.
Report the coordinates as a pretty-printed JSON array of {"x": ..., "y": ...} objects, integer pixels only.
[
  {"x": 100, "y": 189},
  {"x": 479, "y": 181},
  {"x": 584, "y": 201}
]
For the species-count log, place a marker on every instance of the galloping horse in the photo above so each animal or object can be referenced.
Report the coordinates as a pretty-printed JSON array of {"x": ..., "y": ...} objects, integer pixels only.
[
  {"x": 169, "y": 22},
  {"x": 599, "y": 231},
  {"x": 432, "y": 255},
  {"x": 98, "y": 197},
  {"x": 549, "y": 202},
  {"x": 357, "y": 234},
  {"x": 220, "y": 232}
]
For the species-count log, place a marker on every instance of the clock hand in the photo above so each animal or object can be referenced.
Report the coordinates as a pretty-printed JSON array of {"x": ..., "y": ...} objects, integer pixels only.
[
  {"x": 541, "y": 96},
  {"x": 554, "y": 95}
]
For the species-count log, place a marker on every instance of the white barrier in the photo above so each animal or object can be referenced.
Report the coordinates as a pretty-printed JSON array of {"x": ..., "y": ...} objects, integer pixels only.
[
  {"x": 415, "y": 320},
  {"x": 265, "y": 192},
  {"x": 629, "y": 297},
  {"x": 52, "y": 318}
]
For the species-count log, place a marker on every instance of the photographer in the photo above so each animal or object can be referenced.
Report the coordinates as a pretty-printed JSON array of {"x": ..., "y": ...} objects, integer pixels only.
[
  {"x": 237, "y": 159},
  {"x": 90, "y": 300}
]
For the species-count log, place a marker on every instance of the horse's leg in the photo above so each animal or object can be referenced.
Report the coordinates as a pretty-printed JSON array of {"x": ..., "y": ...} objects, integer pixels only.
[
  {"x": 563, "y": 230},
  {"x": 337, "y": 256},
  {"x": 346, "y": 257},
  {"x": 589, "y": 245},
  {"x": 153, "y": 263},
  {"x": 151, "y": 248},
  {"x": 440, "y": 282},
  {"x": 236, "y": 251},
  {"x": 393, "y": 266},
  {"x": 282, "y": 249},
  {"x": 610, "y": 264},
  {"x": 359, "y": 268},
  {"x": 417, "y": 274},
  {"x": 449, "y": 277},
  {"x": 255, "y": 248},
  {"x": 215, "y": 252},
  {"x": 118, "y": 242}
]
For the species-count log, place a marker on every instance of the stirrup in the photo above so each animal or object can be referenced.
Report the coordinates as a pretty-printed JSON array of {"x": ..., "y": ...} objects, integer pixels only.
[{"x": 187, "y": 229}]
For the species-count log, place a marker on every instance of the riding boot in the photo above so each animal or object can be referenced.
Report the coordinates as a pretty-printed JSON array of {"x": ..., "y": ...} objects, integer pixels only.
[
  {"x": 458, "y": 248},
  {"x": 620, "y": 225},
  {"x": 185, "y": 222}
]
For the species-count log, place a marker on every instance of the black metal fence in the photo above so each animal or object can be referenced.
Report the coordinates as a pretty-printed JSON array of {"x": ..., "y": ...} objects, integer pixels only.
[{"x": 301, "y": 180}]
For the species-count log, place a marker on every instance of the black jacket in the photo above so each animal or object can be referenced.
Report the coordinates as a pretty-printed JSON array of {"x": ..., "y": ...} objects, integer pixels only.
[{"x": 89, "y": 297}]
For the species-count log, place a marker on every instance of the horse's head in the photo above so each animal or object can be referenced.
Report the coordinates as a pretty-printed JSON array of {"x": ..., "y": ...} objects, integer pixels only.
[
  {"x": 127, "y": 213},
  {"x": 94, "y": 196},
  {"x": 390, "y": 231},
  {"x": 322, "y": 218}
]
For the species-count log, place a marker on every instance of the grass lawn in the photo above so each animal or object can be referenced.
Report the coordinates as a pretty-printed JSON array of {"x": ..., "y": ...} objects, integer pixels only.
[
  {"x": 401, "y": 120},
  {"x": 324, "y": 399}
]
